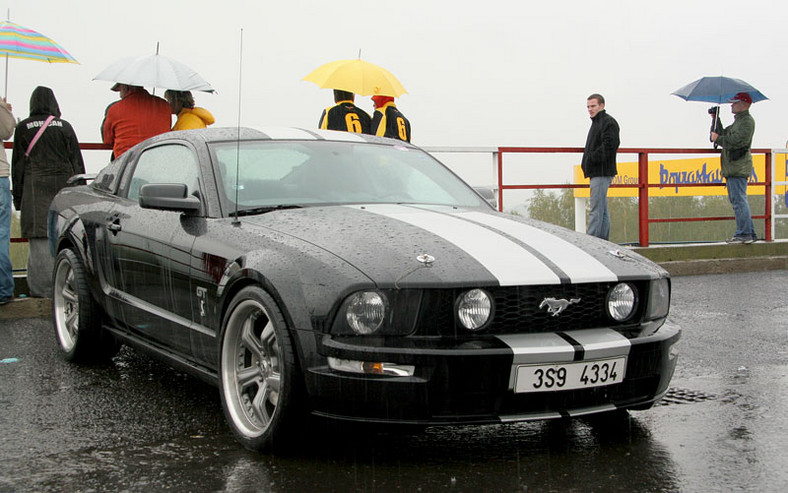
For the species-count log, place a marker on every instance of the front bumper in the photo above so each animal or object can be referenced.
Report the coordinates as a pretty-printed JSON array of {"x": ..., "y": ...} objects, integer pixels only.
[{"x": 473, "y": 381}]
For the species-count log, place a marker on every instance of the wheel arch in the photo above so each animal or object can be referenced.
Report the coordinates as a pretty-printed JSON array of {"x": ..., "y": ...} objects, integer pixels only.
[{"x": 247, "y": 278}]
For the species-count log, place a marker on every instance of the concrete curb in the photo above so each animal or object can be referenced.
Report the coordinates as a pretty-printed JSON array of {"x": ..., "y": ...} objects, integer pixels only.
[
  {"x": 718, "y": 258},
  {"x": 725, "y": 266},
  {"x": 26, "y": 308}
]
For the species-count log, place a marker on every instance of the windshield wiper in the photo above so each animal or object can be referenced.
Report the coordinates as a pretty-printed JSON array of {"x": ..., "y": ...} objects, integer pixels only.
[{"x": 263, "y": 210}]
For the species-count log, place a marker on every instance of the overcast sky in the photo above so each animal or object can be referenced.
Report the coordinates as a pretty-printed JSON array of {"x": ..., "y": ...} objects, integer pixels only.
[{"x": 477, "y": 73}]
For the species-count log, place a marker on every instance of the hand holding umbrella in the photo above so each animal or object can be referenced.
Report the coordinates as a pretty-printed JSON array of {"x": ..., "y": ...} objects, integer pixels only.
[{"x": 717, "y": 90}]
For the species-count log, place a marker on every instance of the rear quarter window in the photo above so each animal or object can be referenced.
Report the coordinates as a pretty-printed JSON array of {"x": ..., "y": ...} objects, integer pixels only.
[{"x": 107, "y": 179}]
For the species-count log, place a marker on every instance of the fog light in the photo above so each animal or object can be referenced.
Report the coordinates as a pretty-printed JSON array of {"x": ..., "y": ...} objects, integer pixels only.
[
  {"x": 621, "y": 302},
  {"x": 371, "y": 368},
  {"x": 474, "y": 309}
]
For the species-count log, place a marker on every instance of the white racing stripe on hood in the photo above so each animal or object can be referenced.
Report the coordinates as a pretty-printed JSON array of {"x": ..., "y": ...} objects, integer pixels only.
[
  {"x": 509, "y": 262},
  {"x": 578, "y": 264}
]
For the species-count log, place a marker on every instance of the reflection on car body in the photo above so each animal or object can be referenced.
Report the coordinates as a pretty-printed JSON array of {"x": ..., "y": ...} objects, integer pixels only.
[{"x": 350, "y": 277}]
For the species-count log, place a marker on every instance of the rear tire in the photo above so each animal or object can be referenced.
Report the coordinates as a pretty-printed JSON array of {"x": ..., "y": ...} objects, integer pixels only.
[
  {"x": 259, "y": 381},
  {"x": 76, "y": 316}
]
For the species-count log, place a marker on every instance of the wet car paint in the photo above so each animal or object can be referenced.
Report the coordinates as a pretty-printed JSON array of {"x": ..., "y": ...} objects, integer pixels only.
[{"x": 169, "y": 276}]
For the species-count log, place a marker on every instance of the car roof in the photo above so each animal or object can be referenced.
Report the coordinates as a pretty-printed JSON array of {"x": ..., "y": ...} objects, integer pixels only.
[{"x": 225, "y": 134}]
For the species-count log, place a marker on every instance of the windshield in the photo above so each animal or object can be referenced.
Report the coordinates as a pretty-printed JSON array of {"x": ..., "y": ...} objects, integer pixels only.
[{"x": 263, "y": 174}]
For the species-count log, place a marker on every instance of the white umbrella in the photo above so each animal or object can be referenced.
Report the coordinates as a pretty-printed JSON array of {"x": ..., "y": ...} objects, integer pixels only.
[{"x": 155, "y": 71}]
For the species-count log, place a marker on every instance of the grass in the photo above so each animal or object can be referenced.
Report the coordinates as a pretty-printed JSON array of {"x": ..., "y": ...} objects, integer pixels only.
[{"x": 18, "y": 250}]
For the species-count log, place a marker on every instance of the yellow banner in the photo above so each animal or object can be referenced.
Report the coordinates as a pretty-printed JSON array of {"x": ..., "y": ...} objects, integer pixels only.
[{"x": 685, "y": 171}]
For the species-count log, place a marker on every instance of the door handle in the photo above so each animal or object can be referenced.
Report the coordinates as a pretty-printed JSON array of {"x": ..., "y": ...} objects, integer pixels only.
[{"x": 114, "y": 226}]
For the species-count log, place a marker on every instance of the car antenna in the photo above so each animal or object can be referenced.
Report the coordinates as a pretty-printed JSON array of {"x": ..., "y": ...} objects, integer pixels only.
[{"x": 236, "y": 221}]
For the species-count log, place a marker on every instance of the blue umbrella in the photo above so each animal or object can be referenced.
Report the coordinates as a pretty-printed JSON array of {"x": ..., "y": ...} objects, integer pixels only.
[{"x": 717, "y": 90}]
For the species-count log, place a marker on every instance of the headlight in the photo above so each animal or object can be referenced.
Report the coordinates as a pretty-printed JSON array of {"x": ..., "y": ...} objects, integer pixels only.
[
  {"x": 377, "y": 312},
  {"x": 366, "y": 311},
  {"x": 659, "y": 299},
  {"x": 621, "y": 302},
  {"x": 474, "y": 309}
]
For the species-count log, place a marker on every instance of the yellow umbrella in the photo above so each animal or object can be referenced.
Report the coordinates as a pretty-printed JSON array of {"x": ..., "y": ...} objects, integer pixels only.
[{"x": 357, "y": 76}]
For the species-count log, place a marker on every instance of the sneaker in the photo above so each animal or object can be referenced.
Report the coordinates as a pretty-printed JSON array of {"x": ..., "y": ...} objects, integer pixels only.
[
  {"x": 738, "y": 239},
  {"x": 750, "y": 239},
  {"x": 4, "y": 301}
]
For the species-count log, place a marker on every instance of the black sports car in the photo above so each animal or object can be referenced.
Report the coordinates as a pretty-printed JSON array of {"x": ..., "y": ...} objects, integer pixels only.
[{"x": 350, "y": 277}]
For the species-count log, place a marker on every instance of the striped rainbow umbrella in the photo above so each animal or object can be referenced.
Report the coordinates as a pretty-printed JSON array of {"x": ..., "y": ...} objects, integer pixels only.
[{"x": 20, "y": 42}]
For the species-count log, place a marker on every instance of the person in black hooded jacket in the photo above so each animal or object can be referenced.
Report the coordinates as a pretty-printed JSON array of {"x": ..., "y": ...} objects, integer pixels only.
[{"x": 37, "y": 177}]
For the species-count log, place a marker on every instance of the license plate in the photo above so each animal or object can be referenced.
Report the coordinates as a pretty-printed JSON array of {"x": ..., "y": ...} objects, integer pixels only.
[{"x": 568, "y": 376}]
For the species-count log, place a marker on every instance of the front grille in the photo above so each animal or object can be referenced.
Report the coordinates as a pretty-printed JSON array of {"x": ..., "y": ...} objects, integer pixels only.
[{"x": 517, "y": 309}]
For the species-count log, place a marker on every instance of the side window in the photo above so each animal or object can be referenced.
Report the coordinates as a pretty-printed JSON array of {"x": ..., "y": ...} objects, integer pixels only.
[
  {"x": 107, "y": 179},
  {"x": 172, "y": 163}
]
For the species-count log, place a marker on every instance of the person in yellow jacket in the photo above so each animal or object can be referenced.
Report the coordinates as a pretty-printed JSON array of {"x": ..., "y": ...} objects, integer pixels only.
[{"x": 189, "y": 117}]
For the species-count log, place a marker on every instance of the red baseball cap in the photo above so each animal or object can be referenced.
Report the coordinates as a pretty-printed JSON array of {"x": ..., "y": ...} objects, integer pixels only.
[
  {"x": 381, "y": 100},
  {"x": 741, "y": 96}
]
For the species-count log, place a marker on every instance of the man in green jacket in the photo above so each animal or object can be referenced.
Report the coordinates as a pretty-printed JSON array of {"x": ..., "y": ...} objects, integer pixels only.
[{"x": 736, "y": 163}]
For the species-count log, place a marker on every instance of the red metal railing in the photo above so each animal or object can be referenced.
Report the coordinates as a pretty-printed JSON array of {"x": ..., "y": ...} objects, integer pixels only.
[{"x": 643, "y": 184}]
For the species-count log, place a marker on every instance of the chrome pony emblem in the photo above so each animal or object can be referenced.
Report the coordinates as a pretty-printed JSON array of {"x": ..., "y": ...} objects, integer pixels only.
[{"x": 554, "y": 306}]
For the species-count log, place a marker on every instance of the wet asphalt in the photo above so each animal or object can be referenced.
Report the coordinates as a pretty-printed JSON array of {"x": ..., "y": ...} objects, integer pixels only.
[{"x": 136, "y": 425}]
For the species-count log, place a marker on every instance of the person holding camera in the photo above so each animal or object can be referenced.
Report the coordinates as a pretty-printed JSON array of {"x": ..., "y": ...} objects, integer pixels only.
[{"x": 736, "y": 162}]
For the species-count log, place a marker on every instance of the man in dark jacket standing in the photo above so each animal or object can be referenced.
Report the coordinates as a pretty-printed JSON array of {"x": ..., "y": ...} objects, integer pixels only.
[
  {"x": 599, "y": 163},
  {"x": 736, "y": 163},
  {"x": 345, "y": 115}
]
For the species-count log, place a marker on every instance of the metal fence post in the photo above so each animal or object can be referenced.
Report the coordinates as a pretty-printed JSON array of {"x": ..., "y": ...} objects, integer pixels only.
[
  {"x": 767, "y": 193},
  {"x": 500, "y": 180},
  {"x": 643, "y": 198}
]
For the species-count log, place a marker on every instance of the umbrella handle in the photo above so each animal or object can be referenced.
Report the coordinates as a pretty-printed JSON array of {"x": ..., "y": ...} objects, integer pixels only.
[{"x": 714, "y": 123}]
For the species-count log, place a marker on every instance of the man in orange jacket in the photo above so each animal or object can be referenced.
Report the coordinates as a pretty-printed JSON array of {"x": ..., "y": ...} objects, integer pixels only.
[{"x": 137, "y": 116}]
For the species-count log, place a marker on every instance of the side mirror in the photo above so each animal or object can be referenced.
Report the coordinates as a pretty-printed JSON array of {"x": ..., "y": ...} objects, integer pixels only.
[
  {"x": 488, "y": 194},
  {"x": 82, "y": 179},
  {"x": 168, "y": 197}
]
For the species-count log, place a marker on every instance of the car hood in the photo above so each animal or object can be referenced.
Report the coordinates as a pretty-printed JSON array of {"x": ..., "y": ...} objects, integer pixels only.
[{"x": 409, "y": 245}]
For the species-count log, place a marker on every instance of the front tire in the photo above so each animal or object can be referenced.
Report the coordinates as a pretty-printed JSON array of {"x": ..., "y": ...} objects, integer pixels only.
[
  {"x": 259, "y": 378},
  {"x": 76, "y": 315}
]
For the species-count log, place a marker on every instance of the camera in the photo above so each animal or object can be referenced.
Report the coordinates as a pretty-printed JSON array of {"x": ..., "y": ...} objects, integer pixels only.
[{"x": 714, "y": 110}]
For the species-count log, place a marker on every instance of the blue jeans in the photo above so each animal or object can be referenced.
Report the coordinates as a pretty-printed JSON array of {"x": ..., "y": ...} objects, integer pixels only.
[
  {"x": 737, "y": 194},
  {"x": 599, "y": 217},
  {"x": 6, "y": 269}
]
